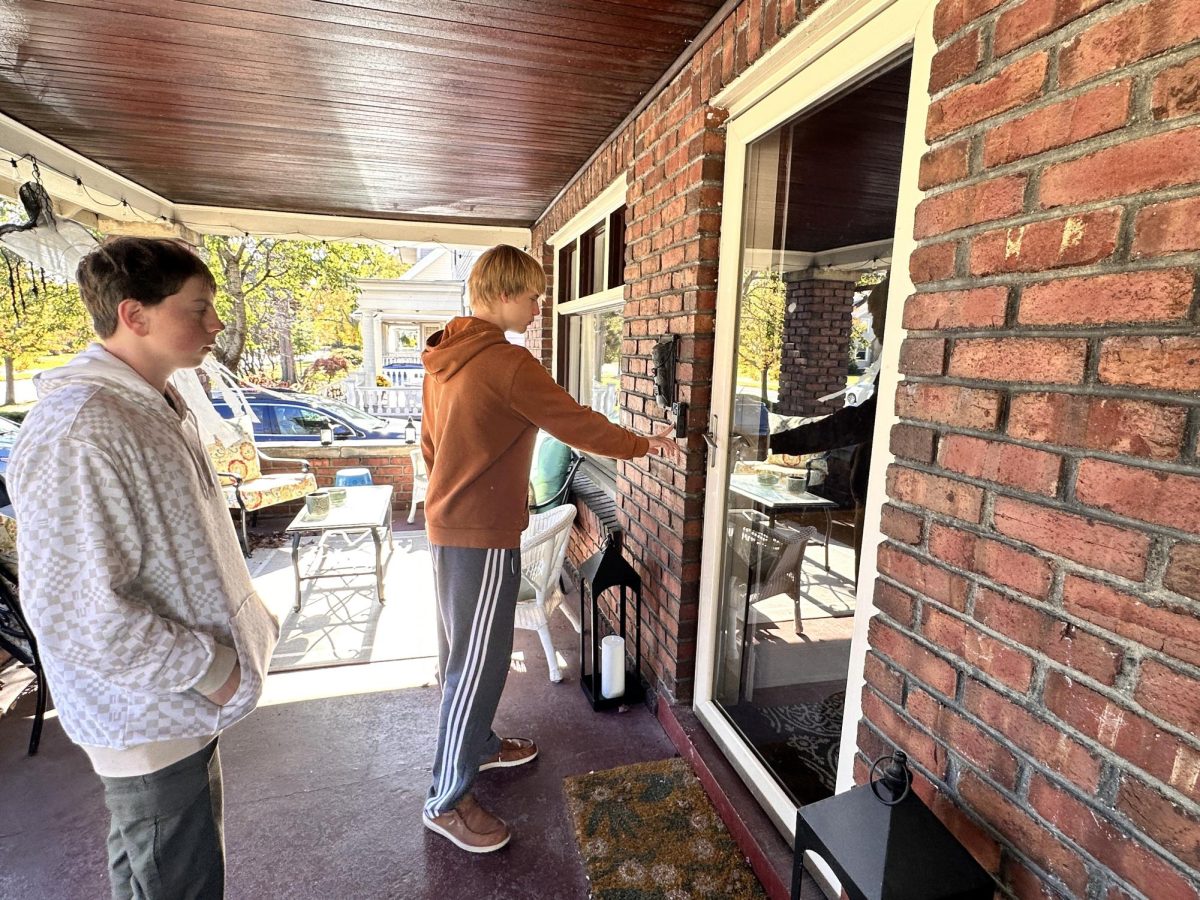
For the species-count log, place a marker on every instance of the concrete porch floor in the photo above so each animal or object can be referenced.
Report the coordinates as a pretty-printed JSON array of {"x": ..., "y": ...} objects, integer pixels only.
[
  {"x": 324, "y": 785},
  {"x": 323, "y": 791}
]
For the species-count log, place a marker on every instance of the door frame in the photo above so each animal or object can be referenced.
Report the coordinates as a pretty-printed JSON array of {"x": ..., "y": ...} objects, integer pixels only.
[{"x": 820, "y": 59}]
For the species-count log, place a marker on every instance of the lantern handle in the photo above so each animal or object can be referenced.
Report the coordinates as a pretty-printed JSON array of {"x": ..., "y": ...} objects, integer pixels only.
[{"x": 897, "y": 777}]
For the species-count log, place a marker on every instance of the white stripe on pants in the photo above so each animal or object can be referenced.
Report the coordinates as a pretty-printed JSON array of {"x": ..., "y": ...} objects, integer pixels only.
[{"x": 477, "y": 596}]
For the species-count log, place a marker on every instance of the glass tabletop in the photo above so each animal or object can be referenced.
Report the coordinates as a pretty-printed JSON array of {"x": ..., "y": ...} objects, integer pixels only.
[
  {"x": 773, "y": 496},
  {"x": 366, "y": 506}
]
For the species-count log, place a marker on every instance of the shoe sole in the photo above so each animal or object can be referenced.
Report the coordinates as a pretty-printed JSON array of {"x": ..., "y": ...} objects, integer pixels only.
[
  {"x": 501, "y": 764},
  {"x": 437, "y": 829}
]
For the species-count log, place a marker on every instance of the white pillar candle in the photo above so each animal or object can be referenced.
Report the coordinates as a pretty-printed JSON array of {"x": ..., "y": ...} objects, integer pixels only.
[{"x": 612, "y": 666}]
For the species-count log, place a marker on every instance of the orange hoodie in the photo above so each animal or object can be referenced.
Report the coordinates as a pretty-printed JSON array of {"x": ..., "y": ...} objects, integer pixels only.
[{"x": 484, "y": 401}]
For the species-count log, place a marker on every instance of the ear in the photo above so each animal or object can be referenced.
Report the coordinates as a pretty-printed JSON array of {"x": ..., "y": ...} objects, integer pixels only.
[{"x": 132, "y": 314}]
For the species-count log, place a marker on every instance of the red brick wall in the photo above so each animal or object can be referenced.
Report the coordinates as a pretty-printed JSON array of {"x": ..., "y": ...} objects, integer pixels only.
[
  {"x": 389, "y": 464},
  {"x": 673, "y": 158},
  {"x": 1037, "y": 645},
  {"x": 539, "y": 336}
]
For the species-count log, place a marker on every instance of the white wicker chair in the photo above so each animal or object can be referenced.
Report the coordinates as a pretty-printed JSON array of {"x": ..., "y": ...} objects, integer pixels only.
[
  {"x": 543, "y": 548},
  {"x": 420, "y": 481},
  {"x": 774, "y": 556}
]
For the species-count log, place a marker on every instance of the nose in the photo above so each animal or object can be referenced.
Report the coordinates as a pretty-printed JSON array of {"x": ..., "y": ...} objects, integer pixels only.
[{"x": 216, "y": 326}]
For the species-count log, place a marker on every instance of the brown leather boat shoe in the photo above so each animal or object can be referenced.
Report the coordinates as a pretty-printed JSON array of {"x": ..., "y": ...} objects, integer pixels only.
[
  {"x": 470, "y": 827},
  {"x": 512, "y": 752}
]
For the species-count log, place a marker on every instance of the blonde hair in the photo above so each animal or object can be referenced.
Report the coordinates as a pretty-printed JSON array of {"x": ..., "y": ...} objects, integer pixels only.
[{"x": 504, "y": 270}]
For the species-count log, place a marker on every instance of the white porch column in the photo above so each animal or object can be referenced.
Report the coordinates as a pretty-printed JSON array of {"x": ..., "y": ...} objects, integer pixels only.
[{"x": 372, "y": 361}]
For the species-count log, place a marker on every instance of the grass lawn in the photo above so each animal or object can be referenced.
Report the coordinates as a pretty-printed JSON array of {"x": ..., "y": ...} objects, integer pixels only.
[
  {"x": 40, "y": 364},
  {"x": 16, "y": 412}
]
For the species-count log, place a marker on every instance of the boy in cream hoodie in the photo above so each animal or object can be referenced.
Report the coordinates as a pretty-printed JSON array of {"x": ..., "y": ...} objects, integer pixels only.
[
  {"x": 152, "y": 636},
  {"x": 484, "y": 401}
]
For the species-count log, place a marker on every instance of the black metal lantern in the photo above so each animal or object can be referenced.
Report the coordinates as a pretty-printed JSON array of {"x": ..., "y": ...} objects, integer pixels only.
[
  {"x": 410, "y": 432},
  {"x": 601, "y": 571},
  {"x": 326, "y": 433},
  {"x": 883, "y": 843}
]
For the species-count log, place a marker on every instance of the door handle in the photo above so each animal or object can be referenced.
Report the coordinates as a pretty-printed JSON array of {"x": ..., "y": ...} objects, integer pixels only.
[{"x": 711, "y": 440}]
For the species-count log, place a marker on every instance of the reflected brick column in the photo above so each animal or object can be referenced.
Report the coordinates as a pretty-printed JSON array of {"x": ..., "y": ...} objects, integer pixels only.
[{"x": 816, "y": 341}]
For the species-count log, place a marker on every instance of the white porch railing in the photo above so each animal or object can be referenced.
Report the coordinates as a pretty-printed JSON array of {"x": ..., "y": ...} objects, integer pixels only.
[
  {"x": 389, "y": 401},
  {"x": 401, "y": 357},
  {"x": 404, "y": 377}
]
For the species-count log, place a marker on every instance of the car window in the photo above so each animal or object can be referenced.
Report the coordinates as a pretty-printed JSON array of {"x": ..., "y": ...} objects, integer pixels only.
[
  {"x": 298, "y": 421},
  {"x": 8, "y": 432},
  {"x": 264, "y": 419},
  {"x": 354, "y": 415}
]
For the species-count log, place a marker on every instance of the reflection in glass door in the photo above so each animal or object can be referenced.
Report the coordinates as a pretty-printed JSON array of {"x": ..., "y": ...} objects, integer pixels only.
[{"x": 819, "y": 214}]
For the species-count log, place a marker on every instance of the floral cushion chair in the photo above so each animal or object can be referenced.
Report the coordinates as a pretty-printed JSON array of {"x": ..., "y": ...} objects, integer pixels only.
[{"x": 247, "y": 489}]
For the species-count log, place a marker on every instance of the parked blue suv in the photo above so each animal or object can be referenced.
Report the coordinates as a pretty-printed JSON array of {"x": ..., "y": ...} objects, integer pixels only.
[{"x": 290, "y": 416}]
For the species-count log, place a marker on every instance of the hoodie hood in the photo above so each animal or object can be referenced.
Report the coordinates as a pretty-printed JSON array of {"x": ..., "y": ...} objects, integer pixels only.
[
  {"x": 96, "y": 367},
  {"x": 463, "y": 338}
]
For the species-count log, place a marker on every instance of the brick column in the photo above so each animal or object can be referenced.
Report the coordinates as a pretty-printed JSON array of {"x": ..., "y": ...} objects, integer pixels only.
[
  {"x": 816, "y": 341},
  {"x": 539, "y": 337}
]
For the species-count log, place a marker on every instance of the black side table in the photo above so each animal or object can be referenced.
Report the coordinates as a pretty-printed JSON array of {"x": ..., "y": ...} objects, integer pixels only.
[{"x": 881, "y": 852}]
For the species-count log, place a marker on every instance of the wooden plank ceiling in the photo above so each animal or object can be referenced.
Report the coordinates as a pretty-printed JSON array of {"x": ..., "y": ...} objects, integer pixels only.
[
  {"x": 843, "y": 172},
  {"x": 474, "y": 111}
]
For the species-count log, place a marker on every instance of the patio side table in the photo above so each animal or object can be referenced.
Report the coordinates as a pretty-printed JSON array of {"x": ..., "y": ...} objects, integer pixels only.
[
  {"x": 776, "y": 500},
  {"x": 368, "y": 509}
]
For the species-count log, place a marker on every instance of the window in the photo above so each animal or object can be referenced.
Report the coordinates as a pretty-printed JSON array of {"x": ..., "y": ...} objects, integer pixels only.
[
  {"x": 595, "y": 338},
  {"x": 566, "y": 274},
  {"x": 589, "y": 303},
  {"x": 298, "y": 421}
]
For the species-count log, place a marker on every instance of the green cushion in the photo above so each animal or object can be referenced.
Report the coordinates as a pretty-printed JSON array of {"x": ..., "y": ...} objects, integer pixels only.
[{"x": 551, "y": 461}]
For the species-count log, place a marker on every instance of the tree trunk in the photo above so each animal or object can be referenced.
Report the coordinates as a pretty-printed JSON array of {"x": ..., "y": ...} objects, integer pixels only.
[
  {"x": 231, "y": 343},
  {"x": 766, "y": 373},
  {"x": 10, "y": 382},
  {"x": 287, "y": 352}
]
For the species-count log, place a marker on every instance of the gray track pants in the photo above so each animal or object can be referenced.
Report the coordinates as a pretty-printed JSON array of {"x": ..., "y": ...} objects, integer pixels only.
[{"x": 477, "y": 597}]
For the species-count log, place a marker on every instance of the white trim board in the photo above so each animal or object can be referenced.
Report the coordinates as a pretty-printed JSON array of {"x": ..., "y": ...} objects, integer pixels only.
[{"x": 817, "y": 65}]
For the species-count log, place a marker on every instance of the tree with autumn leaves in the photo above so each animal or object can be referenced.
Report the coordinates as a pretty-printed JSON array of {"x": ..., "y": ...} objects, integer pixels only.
[
  {"x": 279, "y": 299},
  {"x": 761, "y": 322},
  {"x": 284, "y": 298},
  {"x": 39, "y": 315}
]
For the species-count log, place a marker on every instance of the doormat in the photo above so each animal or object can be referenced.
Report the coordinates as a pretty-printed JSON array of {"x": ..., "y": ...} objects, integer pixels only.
[
  {"x": 648, "y": 832},
  {"x": 799, "y": 742}
]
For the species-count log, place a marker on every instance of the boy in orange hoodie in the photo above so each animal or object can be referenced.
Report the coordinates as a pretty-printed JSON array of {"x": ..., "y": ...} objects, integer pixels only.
[{"x": 484, "y": 401}]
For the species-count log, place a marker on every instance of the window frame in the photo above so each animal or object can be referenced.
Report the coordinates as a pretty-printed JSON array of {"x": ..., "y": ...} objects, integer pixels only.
[{"x": 576, "y": 241}]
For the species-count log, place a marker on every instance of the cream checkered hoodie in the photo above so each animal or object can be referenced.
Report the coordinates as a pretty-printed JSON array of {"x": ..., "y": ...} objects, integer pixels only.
[{"x": 130, "y": 570}]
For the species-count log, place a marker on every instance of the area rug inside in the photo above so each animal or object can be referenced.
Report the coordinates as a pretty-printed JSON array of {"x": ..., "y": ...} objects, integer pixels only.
[
  {"x": 800, "y": 742},
  {"x": 649, "y": 831}
]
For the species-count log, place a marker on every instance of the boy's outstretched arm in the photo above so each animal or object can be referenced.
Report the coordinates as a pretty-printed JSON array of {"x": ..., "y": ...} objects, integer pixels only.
[
  {"x": 537, "y": 397},
  {"x": 79, "y": 547}
]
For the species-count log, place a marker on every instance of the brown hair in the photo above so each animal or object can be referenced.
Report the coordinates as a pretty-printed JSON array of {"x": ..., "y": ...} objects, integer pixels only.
[
  {"x": 504, "y": 270},
  {"x": 133, "y": 268}
]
